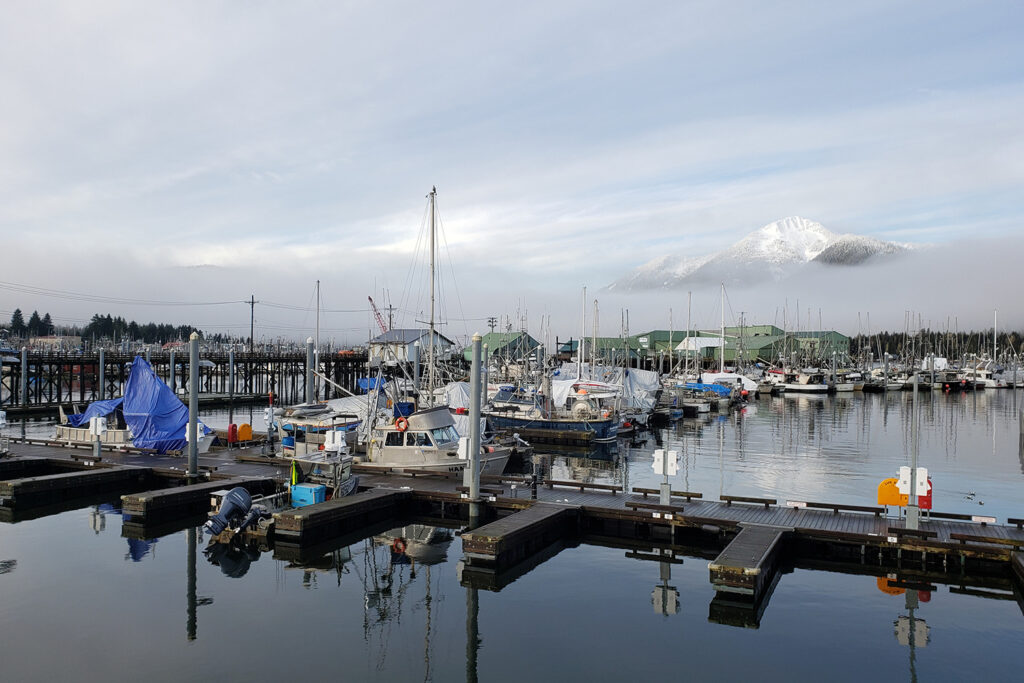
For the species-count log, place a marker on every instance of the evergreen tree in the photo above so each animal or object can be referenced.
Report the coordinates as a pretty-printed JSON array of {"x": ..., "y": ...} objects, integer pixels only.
[
  {"x": 34, "y": 322},
  {"x": 17, "y": 322},
  {"x": 47, "y": 324}
]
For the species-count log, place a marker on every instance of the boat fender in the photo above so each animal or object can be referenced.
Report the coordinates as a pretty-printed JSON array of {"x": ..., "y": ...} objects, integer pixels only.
[{"x": 401, "y": 424}]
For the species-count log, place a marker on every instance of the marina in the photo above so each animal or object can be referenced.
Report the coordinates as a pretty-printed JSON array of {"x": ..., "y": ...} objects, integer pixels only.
[{"x": 502, "y": 343}]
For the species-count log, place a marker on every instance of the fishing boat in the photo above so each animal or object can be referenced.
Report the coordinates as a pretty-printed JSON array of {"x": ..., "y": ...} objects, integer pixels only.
[
  {"x": 427, "y": 441},
  {"x": 585, "y": 420},
  {"x": 807, "y": 382}
]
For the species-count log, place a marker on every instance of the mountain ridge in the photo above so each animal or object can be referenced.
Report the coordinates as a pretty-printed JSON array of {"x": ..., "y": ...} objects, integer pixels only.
[{"x": 773, "y": 252}]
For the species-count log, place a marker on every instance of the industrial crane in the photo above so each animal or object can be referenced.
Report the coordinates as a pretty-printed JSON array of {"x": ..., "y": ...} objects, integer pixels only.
[{"x": 380, "y": 318}]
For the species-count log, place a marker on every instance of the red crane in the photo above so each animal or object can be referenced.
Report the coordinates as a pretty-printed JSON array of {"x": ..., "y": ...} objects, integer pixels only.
[{"x": 380, "y": 318}]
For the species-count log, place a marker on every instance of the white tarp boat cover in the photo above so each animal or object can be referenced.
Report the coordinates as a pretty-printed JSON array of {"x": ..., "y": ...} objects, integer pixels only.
[
  {"x": 637, "y": 388},
  {"x": 457, "y": 396},
  {"x": 728, "y": 379}
]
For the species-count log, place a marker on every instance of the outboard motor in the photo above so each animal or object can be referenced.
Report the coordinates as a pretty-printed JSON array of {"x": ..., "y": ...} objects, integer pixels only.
[{"x": 233, "y": 508}]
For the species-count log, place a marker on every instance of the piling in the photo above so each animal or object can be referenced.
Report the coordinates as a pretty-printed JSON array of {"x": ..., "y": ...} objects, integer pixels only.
[
  {"x": 193, "y": 405},
  {"x": 913, "y": 513},
  {"x": 472, "y": 471},
  {"x": 103, "y": 376},
  {"x": 173, "y": 376},
  {"x": 24, "y": 375},
  {"x": 309, "y": 370}
]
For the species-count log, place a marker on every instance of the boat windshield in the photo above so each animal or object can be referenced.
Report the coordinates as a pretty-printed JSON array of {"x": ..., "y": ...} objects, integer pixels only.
[{"x": 444, "y": 434}]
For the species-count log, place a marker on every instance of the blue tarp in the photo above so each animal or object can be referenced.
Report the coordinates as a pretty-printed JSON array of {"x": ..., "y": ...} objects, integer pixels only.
[
  {"x": 367, "y": 383},
  {"x": 156, "y": 417},
  {"x": 717, "y": 388},
  {"x": 95, "y": 409}
]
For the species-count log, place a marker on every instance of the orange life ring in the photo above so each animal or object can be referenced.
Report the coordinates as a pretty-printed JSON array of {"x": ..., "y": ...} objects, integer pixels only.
[
  {"x": 398, "y": 545},
  {"x": 401, "y": 424}
]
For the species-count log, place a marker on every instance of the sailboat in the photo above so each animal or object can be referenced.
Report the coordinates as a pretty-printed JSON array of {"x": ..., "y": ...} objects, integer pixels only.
[{"x": 426, "y": 439}]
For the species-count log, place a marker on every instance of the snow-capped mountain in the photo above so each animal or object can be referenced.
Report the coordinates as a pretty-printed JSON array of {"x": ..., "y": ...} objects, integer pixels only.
[{"x": 773, "y": 252}]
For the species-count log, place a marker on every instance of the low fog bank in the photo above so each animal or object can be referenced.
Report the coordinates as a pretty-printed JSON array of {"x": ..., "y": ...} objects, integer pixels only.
[{"x": 960, "y": 282}]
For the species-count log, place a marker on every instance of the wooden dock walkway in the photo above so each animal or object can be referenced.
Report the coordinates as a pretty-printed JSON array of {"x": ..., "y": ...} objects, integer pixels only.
[{"x": 753, "y": 536}]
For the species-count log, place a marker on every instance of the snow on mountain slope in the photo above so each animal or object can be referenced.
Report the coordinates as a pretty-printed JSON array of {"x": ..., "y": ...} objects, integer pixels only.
[{"x": 770, "y": 253}]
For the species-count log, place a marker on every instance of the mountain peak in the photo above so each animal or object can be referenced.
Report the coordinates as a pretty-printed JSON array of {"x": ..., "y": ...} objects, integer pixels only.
[{"x": 788, "y": 240}]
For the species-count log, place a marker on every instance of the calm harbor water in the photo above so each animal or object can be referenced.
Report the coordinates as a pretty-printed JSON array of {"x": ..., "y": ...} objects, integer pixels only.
[{"x": 79, "y": 601}]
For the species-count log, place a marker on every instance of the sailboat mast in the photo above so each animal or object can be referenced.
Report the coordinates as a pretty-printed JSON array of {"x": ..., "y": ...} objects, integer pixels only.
[
  {"x": 316, "y": 348},
  {"x": 593, "y": 345},
  {"x": 689, "y": 301},
  {"x": 430, "y": 348},
  {"x": 995, "y": 334},
  {"x": 583, "y": 335},
  {"x": 670, "y": 341},
  {"x": 722, "y": 340}
]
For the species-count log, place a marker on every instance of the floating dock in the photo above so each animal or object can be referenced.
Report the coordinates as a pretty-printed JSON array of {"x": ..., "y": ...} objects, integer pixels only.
[
  {"x": 314, "y": 523},
  {"x": 507, "y": 541},
  {"x": 189, "y": 498},
  {"x": 752, "y": 540},
  {"x": 747, "y": 565},
  {"x": 50, "y": 488}
]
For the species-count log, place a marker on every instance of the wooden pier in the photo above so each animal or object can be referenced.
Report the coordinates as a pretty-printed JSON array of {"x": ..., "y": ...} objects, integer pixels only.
[
  {"x": 752, "y": 541},
  {"x": 41, "y": 381}
]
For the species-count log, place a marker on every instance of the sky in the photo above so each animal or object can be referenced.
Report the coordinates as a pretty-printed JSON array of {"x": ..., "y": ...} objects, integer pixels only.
[{"x": 166, "y": 161}]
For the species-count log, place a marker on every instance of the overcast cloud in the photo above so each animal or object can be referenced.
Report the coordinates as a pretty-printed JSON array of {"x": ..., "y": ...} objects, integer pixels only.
[{"x": 275, "y": 144}]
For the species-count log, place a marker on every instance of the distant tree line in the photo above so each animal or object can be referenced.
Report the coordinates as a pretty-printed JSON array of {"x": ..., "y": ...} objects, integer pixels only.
[
  {"x": 107, "y": 326},
  {"x": 944, "y": 344}
]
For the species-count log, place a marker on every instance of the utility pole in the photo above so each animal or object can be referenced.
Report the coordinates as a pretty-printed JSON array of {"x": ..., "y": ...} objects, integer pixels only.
[{"x": 252, "y": 322}]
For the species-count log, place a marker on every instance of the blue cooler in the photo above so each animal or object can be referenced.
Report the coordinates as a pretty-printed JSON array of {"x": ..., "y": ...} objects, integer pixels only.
[{"x": 308, "y": 494}]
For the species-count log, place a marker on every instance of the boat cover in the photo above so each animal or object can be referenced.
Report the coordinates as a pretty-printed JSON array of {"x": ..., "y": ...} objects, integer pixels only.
[
  {"x": 95, "y": 409},
  {"x": 717, "y": 388},
  {"x": 155, "y": 417}
]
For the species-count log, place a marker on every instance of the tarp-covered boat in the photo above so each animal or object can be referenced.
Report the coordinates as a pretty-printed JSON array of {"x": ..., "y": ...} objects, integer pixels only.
[{"x": 153, "y": 417}]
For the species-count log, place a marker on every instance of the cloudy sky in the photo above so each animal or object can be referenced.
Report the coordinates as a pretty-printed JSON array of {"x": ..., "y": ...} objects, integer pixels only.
[{"x": 205, "y": 152}]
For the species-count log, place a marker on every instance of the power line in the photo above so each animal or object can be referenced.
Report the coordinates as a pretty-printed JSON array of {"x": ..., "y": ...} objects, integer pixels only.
[{"x": 96, "y": 298}]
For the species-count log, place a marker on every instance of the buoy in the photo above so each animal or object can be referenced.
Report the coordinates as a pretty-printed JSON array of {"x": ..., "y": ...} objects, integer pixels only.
[{"x": 401, "y": 424}]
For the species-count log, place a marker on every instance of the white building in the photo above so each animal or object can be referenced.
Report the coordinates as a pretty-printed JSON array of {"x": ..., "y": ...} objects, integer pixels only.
[{"x": 396, "y": 346}]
